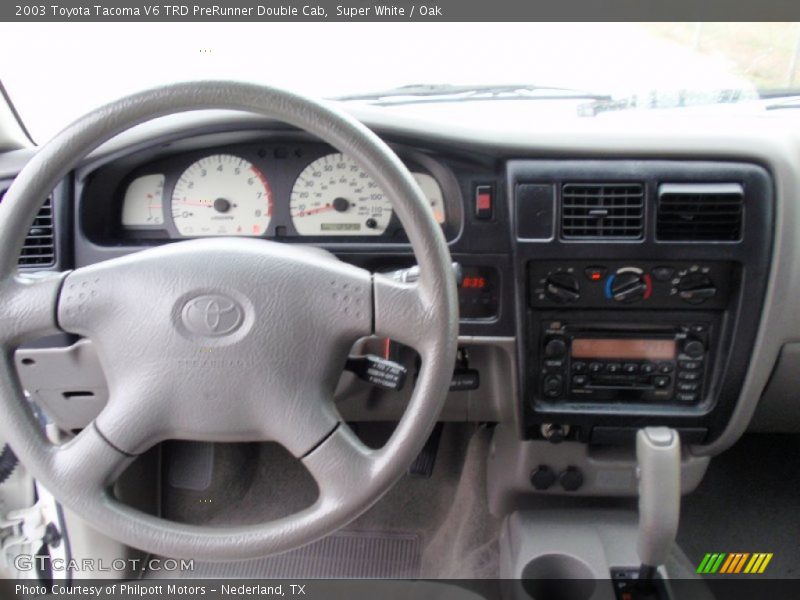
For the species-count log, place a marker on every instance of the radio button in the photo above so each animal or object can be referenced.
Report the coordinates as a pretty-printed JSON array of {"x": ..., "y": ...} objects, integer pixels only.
[
  {"x": 686, "y": 397},
  {"x": 552, "y": 386},
  {"x": 694, "y": 348},
  {"x": 688, "y": 387},
  {"x": 662, "y": 381},
  {"x": 691, "y": 365},
  {"x": 555, "y": 348},
  {"x": 579, "y": 367},
  {"x": 665, "y": 367},
  {"x": 689, "y": 375},
  {"x": 630, "y": 368},
  {"x": 613, "y": 367},
  {"x": 595, "y": 367},
  {"x": 648, "y": 368},
  {"x": 579, "y": 380}
]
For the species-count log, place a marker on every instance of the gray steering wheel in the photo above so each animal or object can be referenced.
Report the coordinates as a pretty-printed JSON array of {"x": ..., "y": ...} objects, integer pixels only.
[{"x": 264, "y": 368}]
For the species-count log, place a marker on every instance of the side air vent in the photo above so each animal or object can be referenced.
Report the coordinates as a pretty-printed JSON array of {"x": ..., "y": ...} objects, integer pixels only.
[
  {"x": 700, "y": 212},
  {"x": 607, "y": 211},
  {"x": 39, "y": 250}
]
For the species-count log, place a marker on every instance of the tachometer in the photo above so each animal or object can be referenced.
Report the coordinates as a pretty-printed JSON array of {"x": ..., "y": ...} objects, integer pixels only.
[
  {"x": 334, "y": 196},
  {"x": 221, "y": 194}
]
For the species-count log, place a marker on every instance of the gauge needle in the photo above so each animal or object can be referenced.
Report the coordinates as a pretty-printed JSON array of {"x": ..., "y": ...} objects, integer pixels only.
[
  {"x": 203, "y": 203},
  {"x": 314, "y": 211}
]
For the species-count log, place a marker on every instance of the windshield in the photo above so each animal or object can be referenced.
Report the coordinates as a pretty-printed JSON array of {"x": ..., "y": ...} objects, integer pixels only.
[{"x": 67, "y": 69}]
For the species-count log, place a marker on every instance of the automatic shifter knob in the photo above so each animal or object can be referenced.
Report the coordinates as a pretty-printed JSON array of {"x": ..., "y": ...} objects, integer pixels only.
[{"x": 658, "y": 454}]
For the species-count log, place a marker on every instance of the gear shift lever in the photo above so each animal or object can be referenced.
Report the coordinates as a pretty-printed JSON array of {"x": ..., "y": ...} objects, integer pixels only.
[{"x": 658, "y": 454}]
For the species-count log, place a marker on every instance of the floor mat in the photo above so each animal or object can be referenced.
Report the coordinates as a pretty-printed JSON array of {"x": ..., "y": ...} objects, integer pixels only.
[
  {"x": 346, "y": 554},
  {"x": 749, "y": 501}
]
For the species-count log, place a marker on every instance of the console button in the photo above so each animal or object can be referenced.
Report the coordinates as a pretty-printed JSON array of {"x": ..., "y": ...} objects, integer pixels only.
[
  {"x": 689, "y": 375},
  {"x": 579, "y": 367},
  {"x": 648, "y": 368},
  {"x": 555, "y": 348},
  {"x": 595, "y": 273},
  {"x": 579, "y": 380},
  {"x": 690, "y": 365},
  {"x": 683, "y": 397},
  {"x": 553, "y": 385},
  {"x": 613, "y": 367},
  {"x": 665, "y": 367},
  {"x": 688, "y": 387},
  {"x": 694, "y": 348},
  {"x": 630, "y": 368},
  {"x": 543, "y": 477},
  {"x": 661, "y": 381},
  {"x": 595, "y": 367},
  {"x": 571, "y": 479},
  {"x": 663, "y": 273}
]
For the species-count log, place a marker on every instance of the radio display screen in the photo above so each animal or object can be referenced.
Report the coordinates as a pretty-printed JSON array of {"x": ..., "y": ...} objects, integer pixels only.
[{"x": 629, "y": 349}]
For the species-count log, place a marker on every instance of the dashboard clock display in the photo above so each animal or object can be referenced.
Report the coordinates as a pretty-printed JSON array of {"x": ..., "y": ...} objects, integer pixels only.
[
  {"x": 334, "y": 196},
  {"x": 221, "y": 194}
]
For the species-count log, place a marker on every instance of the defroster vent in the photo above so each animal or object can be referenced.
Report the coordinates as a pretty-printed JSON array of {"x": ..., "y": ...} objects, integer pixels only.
[{"x": 602, "y": 211}]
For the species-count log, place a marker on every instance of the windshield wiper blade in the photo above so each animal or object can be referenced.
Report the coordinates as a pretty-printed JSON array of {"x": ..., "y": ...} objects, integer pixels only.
[{"x": 421, "y": 93}]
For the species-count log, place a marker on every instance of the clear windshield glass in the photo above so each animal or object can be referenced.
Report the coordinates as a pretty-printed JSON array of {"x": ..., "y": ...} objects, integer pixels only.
[{"x": 55, "y": 72}]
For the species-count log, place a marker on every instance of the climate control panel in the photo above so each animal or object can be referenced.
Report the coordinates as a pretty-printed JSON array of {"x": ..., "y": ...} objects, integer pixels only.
[{"x": 621, "y": 284}]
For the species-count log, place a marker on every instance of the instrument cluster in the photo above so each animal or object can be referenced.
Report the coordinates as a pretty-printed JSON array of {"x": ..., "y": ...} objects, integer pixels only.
[{"x": 265, "y": 190}]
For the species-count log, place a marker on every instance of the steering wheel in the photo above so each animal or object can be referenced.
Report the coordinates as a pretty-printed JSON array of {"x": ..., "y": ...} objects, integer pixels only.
[{"x": 226, "y": 339}]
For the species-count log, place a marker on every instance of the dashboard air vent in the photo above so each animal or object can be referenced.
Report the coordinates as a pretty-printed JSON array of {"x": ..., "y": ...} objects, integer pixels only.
[
  {"x": 39, "y": 250},
  {"x": 700, "y": 212},
  {"x": 607, "y": 211}
]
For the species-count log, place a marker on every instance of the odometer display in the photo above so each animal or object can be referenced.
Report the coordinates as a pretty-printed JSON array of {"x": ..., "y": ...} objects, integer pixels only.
[
  {"x": 222, "y": 194},
  {"x": 334, "y": 196}
]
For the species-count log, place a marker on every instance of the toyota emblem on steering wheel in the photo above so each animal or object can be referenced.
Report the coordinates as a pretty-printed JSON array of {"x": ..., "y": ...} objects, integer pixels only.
[{"x": 212, "y": 315}]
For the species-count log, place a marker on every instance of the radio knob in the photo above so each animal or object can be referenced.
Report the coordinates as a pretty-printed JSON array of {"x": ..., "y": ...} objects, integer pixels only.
[
  {"x": 694, "y": 348},
  {"x": 696, "y": 288},
  {"x": 555, "y": 348},
  {"x": 562, "y": 288},
  {"x": 628, "y": 286}
]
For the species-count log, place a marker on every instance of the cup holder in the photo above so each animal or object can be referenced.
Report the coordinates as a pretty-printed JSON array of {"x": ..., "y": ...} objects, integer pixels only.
[{"x": 558, "y": 577}]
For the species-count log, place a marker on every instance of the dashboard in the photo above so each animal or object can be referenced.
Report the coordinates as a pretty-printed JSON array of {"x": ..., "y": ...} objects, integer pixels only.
[{"x": 609, "y": 281}]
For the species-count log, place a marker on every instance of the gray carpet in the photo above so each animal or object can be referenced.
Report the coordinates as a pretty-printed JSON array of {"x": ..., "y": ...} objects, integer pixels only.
[
  {"x": 749, "y": 501},
  {"x": 432, "y": 527}
]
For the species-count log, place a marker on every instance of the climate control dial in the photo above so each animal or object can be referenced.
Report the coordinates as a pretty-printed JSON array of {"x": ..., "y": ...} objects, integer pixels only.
[
  {"x": 562, "y": 288},
  {"x": 628, "y": 285},
  {"x": 696, "y": 288}
]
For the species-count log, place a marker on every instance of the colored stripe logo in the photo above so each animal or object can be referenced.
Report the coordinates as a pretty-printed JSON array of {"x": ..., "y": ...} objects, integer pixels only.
[{"x": 734, "y": 563}]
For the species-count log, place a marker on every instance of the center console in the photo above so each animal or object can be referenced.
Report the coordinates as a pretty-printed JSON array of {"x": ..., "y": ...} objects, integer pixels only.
[{"x": 639, "y": 292}]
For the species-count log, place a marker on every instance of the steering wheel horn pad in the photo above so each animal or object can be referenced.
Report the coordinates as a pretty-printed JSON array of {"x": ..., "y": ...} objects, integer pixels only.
[{"x": 224, "y": 339}]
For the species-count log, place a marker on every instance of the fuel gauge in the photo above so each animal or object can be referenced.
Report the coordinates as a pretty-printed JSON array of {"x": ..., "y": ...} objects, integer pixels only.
[{"x": 143, "y": 207}]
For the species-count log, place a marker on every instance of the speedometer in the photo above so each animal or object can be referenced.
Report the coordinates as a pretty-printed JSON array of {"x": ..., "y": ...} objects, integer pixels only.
[
  {"x": 334, "y": 196},
  {"x": 221, "y": 194}
]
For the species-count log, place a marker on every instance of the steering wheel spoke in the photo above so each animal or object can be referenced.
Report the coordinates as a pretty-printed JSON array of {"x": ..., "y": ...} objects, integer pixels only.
[
  {"x": 90, "y": 460},
  {"x": 28, "y": 308},
  {"x": 402, "y": 313},
  {"x": 341, "y": 464}
]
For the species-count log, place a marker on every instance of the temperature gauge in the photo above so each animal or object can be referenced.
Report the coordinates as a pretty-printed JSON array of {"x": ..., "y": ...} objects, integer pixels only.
[{"x": 143, "y": 203}]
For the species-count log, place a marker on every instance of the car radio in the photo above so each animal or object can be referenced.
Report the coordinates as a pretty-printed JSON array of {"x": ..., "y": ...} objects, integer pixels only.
[{"x": 623, "y": 363}]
